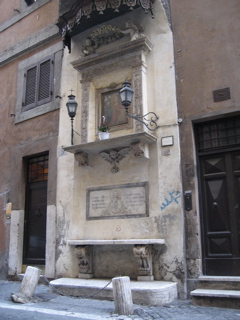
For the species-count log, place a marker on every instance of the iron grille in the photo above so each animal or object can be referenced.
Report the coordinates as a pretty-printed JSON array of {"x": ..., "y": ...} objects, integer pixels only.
[
  {"x": 38, "y": 169},
  {"x": 218, "y": 134}
]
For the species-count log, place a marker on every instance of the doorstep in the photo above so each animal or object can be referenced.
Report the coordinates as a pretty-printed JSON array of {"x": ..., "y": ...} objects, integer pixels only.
[{"x": 143, "y": 292}]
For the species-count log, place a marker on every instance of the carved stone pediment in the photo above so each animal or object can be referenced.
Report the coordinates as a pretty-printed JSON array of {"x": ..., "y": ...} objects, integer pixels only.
[
  {"x": 128, "y": 55},
  {"x": 110, "y": 33}
]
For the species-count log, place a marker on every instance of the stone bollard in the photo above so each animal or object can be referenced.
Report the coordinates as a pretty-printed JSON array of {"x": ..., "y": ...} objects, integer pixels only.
[
  {"x": 122, "y": 295},
  {"x": 28, "y": 285},
  {"x": 30, "y": 281}
]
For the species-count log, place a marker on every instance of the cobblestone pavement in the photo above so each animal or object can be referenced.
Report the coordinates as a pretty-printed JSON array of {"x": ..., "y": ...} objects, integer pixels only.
[{"x": 51, "y": 306}]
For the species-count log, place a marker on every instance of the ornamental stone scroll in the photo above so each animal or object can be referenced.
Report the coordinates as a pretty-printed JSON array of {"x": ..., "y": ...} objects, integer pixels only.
[
  {"x": 144, "y": 255},
  {"x": 84, "y": 254}
]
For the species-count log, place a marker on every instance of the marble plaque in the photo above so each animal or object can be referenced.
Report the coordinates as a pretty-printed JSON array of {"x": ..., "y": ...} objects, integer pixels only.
[{"x": 122, "y": 201}]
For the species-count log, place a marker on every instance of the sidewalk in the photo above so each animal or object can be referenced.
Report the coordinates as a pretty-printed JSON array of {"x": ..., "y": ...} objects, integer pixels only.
[{"x": 53, "y": 306}]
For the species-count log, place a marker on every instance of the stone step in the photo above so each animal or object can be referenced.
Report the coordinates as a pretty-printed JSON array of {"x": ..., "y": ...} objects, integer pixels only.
[
  {"x": 218, "y": 283},
  {"x": 143, "y": 292},
  {"x": 216, "y": 298}
]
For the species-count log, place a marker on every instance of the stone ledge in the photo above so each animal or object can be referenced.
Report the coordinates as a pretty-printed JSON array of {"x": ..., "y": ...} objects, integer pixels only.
[
  {"x": 115, "y": 242},
  {"x": 112, "y": 143},
  {"x": 219, "y": 278}
]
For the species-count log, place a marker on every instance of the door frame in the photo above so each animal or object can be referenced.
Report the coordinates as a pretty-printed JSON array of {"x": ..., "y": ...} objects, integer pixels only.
[{"x": 26, "y": 213}]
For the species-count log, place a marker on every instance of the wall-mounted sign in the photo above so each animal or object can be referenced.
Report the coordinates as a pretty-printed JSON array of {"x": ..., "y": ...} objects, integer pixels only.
[{"x": 167, "y": 141}]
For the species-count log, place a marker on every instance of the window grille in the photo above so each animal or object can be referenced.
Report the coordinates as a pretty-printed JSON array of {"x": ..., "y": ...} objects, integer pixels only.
[
  {"x": 38, "y": 169},
  {"x": 218, "y": 134}
]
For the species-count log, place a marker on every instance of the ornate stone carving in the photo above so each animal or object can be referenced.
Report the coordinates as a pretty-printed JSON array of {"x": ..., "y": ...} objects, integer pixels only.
[
  {"x": 82, "y": 158},
  {"x": 84, "y": 254},
  {"x": 114, "y": 157},
  {"x": 133, "y": 31},
  {"x": 138, "y": 100},
  {"x": 84, "y": 115},
  {"x": 110, "y": 33},
  {"x": 101, "y": 36},
  {"x": 131, "y": 62},
  {"x": 144, "y": 255}
]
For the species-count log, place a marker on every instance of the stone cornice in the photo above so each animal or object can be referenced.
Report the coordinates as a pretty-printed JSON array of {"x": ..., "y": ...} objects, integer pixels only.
[{"x": 142, "y": 44}]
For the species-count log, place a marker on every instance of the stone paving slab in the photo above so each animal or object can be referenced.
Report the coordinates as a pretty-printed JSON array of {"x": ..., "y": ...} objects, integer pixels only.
[{"x": 64, "y": 307}]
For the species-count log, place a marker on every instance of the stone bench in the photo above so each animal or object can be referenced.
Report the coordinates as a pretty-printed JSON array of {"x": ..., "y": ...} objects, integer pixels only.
[{"x": 142, "y": 249}]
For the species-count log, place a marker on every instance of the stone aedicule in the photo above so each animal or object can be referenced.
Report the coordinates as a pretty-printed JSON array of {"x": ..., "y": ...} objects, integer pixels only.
[{"x": 129, "y": 56}]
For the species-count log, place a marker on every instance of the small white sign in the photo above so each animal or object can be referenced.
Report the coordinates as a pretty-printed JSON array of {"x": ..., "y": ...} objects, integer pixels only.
[{"x": 167, "y": 141}]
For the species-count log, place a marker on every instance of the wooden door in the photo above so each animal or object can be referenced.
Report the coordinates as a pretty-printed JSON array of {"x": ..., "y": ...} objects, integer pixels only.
[
  {"x": 220, "y": 180},
  {"x": 36, "y": 210}
]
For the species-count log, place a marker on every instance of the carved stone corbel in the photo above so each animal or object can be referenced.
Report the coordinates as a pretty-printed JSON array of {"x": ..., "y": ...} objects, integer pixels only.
[
  {"x": 84, "y": 254},
  {"x": 82, "y": 158},
  {"x": 144, "y": 255},
  {"x": 140, "y": 150}
]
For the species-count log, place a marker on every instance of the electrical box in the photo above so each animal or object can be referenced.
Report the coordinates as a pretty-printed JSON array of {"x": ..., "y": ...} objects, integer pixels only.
[
  {"x": 8, "y": 210},
  {"x": 188, "y": 200}
]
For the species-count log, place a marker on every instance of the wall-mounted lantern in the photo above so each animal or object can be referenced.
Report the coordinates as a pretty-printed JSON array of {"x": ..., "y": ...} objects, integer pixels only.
[
  {"x": 72, "y": 109},
  {"x": 126, "y": 95}
]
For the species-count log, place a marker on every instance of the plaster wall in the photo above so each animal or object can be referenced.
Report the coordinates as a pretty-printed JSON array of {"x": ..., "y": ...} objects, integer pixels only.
[
  {"x": 161, "y": 170},
  {"x": 206, "y": 37}
]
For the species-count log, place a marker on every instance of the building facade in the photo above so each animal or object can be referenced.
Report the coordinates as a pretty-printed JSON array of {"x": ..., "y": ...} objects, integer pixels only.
[
  {"x": 151, "y": 204},
  {"x": 207, "y": 59},
  {"x": 31, "y": 59}
]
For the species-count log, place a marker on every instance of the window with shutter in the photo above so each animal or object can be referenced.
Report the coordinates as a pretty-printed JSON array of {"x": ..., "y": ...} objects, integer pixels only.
[
  {"x": 38, "y": 84},
  {"x": 31, "y": 81}
]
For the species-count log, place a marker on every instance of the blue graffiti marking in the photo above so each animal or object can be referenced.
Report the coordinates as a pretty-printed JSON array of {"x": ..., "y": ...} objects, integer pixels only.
[{"x": 174, "y": 196}]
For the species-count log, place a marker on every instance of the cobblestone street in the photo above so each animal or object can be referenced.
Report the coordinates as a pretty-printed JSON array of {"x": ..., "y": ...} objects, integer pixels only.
[{"x": 51, "y": 306}]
